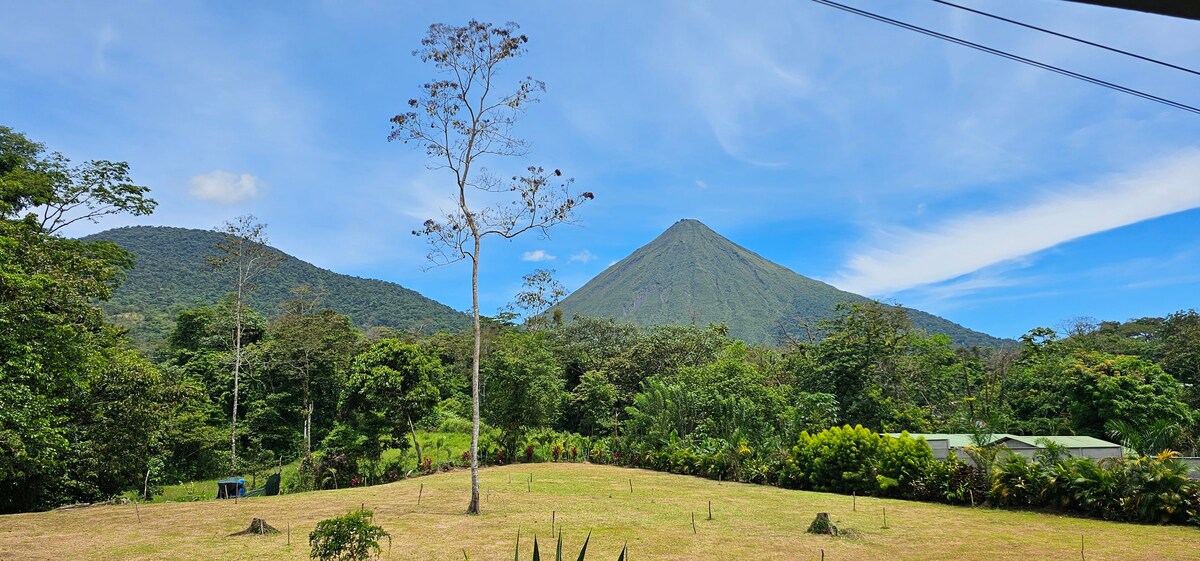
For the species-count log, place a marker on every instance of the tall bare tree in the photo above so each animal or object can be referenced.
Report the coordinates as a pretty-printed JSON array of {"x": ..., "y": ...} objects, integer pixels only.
[
  {"x": 466, "y": 114},
  {"x": 244, "y": 252}
]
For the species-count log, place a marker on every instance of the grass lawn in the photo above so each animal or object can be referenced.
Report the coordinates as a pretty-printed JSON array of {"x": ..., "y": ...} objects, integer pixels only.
[
  {"x": 750, "y": 523},
  {"x": 441, "y": 446}
]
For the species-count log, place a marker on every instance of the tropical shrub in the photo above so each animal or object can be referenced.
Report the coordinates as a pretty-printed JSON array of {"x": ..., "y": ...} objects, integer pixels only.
[
  {"x": 352, "y": 537},
  {"x": 856, "y": 460},
  {"x": 1150, "y": 489}
]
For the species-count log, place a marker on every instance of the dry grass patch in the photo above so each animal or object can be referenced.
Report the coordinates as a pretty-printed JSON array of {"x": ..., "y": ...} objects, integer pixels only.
[{"x": 750, "y": 522}]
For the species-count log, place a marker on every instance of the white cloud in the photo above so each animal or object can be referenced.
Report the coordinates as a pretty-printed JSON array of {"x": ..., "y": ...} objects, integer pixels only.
[
  {"x": 903, "y": 259},
  {"x": 537, "y": 255},
  {"x": 742, "y": 70},
  {"x": 224, "y": 187},
  {"x": 584, "y": 256},
  {"x": 701, "y": 184}
]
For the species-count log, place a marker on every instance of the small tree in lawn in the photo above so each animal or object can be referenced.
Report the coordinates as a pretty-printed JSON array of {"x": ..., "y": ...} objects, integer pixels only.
[
  {"x": 352, "y": 537},
  {"x": 463, "y": 117},
  {"x": 244, "y": 251}
]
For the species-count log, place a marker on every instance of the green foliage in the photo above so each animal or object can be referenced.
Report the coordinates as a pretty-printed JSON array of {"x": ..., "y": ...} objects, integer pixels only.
[
  {"x": 388, "y": 390},
  {"x": 1178, "y": 350},
  {"x": 171, "y": 274},
  {"x": 352, "y": 537},
  {"x": 82, "y": 418},
  {"x": 1150, "y": 489},
  {"x": 59, "y": 194},
  {"x": 524, "y": 387},
  {"x": 1122, "y": 388},
  {"x": 593, "y": 402},
  {"x": 305, "y": 358},
  {"x": 808, "y": 412},
  {"x": 856, "y": 460}
]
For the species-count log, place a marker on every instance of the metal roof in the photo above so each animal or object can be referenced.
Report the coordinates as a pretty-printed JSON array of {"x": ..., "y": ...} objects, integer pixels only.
[
  {"x": 1068, "y": 441},
  {"x": 953, "y": 440},
  {"x": 961, "y": 440}
]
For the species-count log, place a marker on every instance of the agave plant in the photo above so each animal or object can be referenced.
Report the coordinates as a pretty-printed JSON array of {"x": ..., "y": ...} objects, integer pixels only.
[{"x": 558, "y": 551}]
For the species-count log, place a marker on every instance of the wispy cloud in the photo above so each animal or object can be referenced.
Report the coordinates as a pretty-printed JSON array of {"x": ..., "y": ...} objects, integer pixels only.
[
  {"x": 903, "y": 259},
  {"x": 584, "y": 256},
  {"x": 537, "y": 255},
  {"x": 740, "y": 73},
  {"x": 224, "y": 187}
]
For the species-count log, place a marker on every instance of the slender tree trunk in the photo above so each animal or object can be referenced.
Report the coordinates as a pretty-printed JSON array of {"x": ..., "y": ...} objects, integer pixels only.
[
  {"x": 237, "y": 369},
  {"x": 473, "y": 508},
  {"x": 416, "y": 443},
  {"x": 308, "y": 411}
]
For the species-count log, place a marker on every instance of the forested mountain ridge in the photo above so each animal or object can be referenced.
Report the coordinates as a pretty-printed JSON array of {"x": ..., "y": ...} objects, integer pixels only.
[
  {"x": 692, "y": 275},
  {"x": 171, "y": 273}
]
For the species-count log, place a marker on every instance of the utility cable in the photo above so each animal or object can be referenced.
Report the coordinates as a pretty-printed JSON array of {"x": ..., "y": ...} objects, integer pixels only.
[
  {"x": 1065, "y": 36},
  {"x": 1011, "y": 56}
]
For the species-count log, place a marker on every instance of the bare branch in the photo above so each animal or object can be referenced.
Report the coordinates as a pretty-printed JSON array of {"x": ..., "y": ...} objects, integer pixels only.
[{"x": 459, "y": 119}]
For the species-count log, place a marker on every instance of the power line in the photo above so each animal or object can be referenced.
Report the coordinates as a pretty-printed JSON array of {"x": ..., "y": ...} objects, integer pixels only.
[
  {"x": 1070, "y": 37},
  {"x": 1011, "y": 56}
]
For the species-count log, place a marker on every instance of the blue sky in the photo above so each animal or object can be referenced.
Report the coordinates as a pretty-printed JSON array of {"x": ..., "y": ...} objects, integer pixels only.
[{"x": 885, "y": 162}]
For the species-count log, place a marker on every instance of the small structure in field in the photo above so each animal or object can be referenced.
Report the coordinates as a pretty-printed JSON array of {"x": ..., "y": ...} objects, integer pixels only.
[
  {"x": 231, "y": 488},
  {"x": 1082, "y": 446}
]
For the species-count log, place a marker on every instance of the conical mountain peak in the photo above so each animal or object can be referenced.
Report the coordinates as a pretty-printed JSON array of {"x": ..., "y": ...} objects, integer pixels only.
[{"x": 690, "y": 274}]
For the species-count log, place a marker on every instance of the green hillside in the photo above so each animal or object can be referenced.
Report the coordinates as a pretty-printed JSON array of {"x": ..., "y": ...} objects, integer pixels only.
[
  {"x": 691, "y": 274},
  {"x": 172, "y": 273}
]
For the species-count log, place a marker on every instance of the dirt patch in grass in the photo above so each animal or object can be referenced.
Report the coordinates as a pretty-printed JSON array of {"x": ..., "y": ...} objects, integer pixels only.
[{"x": 749, "y": 522}]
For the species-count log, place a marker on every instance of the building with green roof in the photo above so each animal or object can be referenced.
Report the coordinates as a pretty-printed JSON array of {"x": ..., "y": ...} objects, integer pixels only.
[{"x": 1084, "y": 446}]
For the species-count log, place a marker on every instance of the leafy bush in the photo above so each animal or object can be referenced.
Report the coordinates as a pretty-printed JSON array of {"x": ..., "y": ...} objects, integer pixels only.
[
  {"x": 352, "y": 537},
  {"x": 1151, "y": 489},
  {"x": 856, "y": 460}
]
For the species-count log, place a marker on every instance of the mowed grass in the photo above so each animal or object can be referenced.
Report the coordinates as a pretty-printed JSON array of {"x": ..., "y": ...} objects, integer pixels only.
[
  {"x": 439, "y": 446},
  {"x": 750, "y": 522}
]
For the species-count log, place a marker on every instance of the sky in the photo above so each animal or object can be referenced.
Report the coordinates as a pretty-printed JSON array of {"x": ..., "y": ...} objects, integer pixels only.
[{"x": 885, "y": 162}]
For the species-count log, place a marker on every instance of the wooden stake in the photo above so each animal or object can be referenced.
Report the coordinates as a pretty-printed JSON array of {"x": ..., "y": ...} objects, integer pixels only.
[
  {"x": 420, "y": 493},
  {"x": 1081, "y": 557},
  {"x": 552, "y": 514},
  {"x": 854, "y": 501},
  {"x": 631, "y": 485},
  {"x": 822, "y": 554},
  {"x": 885, "y": 518},
  {"x": 137, "y": 512},
  {"x": 710, "y": 510},
  {"x": 693, "y": 522}
]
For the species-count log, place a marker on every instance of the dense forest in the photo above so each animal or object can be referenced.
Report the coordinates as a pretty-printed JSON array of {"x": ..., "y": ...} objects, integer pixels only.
[
  {"x": 85, "y": 416},
  {"x": 171, "y": 272}
]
